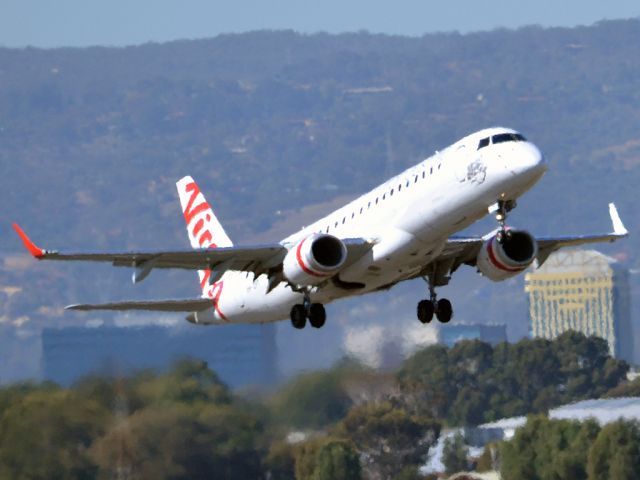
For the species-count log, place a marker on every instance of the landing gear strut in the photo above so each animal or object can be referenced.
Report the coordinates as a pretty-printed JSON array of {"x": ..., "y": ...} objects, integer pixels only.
[
  {"x": 315, "y": 312},
  {"x": 501, "y": 208},
  {"x": 441, "y": 308}
]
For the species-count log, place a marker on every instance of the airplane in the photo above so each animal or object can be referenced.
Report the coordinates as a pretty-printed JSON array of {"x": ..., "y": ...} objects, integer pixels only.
[{"x": 401, "y": 230}]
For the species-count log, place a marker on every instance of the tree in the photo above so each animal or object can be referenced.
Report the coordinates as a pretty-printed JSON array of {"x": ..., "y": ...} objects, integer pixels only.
[
  {"x": 426, "y": 382},
  {"x": 280, "y": 461},
  {"x": 454, "y": 454},
  {"x": 312, "y": 400},
  {"x": 625, "y": 389},
  {"x": 179, "y": 441},
  {"x": 615, "y": 453},
  {"x": 189, "y": 381},
  {"x": 337, "y": 460},
  {"x": 545, "y": 448},
  {"x": 47, "y": 434},
  {"x": 388, "y": 437}
]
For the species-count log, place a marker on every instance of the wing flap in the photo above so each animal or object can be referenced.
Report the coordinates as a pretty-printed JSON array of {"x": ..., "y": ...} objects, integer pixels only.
[{"x": 187, "y": 305}]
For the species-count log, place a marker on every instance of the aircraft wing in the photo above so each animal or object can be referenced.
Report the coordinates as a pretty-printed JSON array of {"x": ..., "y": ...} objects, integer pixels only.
[
  {"x": 258, "y": 259},
  {"x": 464, "y": 250},
  {"x": 189, "y": 305}
]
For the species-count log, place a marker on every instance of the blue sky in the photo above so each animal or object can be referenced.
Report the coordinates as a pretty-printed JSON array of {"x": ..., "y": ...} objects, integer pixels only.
[{"x": 52, "y": 23}]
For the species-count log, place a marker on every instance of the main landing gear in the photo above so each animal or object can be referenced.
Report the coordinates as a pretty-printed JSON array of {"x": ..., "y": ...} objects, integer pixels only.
[
  {"x": 441, "y": 308},
  {"x": 314, "y": 312}
]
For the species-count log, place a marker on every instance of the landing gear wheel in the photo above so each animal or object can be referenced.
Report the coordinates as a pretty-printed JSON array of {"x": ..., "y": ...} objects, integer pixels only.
[
  {"x": 298, "y": 316},
  {"x": 426, "y": 309},
  {"x": 444, "y": 312},
  {"x": 317, "y": 315}
]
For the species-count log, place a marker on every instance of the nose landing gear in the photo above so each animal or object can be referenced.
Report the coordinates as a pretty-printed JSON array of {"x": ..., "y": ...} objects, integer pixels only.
[{"x": 501, "y": 208}]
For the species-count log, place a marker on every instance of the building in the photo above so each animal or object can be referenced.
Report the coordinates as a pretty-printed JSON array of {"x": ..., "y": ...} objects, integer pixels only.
[
  {"x": 241, "y": 355},
  {"x": 452, "y": 333},
  {"x": 582, "y": 290},
  {"x": 602, "y": 410}
]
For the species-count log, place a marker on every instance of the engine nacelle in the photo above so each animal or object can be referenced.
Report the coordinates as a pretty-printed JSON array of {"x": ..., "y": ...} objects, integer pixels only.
[
  {"x": 501, "y": 260},
  {"x": 314, "y": 259}
]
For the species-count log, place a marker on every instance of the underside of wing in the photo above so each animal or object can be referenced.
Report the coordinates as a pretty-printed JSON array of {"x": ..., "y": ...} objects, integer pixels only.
[
  {"x": 187, "y": 305},
  {"x": 465, "y": 250}
]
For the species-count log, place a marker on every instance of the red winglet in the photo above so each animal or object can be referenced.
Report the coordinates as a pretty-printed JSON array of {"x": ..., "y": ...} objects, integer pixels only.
[{"x": 28, "y": 244}]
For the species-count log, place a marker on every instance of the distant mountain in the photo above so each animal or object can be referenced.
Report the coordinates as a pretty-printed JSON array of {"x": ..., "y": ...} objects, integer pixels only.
[{"x": 270, "y": 123}]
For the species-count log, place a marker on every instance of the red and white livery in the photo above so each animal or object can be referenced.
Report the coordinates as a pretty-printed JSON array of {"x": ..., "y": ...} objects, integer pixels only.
[{"x": 398, "y": 231}]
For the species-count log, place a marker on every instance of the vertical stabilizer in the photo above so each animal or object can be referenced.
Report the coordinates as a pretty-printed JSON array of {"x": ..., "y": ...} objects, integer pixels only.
[{"x": 203, "y": 227}]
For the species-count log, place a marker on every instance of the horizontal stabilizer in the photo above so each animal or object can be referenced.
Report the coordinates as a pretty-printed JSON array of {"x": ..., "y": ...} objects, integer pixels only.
[{"x": 188, "y": 305}]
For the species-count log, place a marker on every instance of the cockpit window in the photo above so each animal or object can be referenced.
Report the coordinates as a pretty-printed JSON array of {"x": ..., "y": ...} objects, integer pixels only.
[
  {"x": 508, "y": 137},
  {"x": 483, "y": 143}
]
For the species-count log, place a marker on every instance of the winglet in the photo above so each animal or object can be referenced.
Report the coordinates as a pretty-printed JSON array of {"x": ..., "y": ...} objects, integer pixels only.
[
  {"x": 618, "y": 226},
  {"x": 31, "y": 247}
]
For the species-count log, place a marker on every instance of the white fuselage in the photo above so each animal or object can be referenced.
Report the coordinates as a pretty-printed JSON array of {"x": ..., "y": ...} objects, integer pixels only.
[{"x": 409, "y": 218}]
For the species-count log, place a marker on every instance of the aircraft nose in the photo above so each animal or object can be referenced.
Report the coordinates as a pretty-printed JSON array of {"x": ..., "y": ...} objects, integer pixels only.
[{"x": 532, "y": 160}]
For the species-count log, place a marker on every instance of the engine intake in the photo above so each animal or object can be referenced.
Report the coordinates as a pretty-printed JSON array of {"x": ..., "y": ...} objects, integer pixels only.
[
  {"x": 499, "y": 260},
  {"x": 314, "y": 259}
]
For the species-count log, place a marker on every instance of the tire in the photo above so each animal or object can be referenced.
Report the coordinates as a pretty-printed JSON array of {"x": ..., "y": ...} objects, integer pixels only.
[
  {"x": 445, "y": 310},
  {"x": 317, "y": 315},
  {"x": 298, "y": 316},
  {"x": 425, "y": 311}
]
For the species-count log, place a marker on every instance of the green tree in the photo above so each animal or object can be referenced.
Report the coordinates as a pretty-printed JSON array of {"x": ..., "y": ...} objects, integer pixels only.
[
  {"x": 337, "y": 460},
  {"x": 625, "y": 389},
  {"x": 179, "y": 441},
  {"x": 586, "y": 365},
  {"x": 615, "y": 453},
  {"x": 427, "y": 382},
  {"x": 279, "y": 462},
  {"x": 47, "y": 433},
  {"x": 189, "y": 381},
  {"x": 548, "y": 449},
  {"x": 312, "y": 400},
  {"x": 454, "y": 454},
  {"x": 388, "y": 437}
]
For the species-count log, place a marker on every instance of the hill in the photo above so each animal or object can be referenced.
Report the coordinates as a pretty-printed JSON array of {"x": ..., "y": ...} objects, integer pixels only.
[{"x": 271, "y": 123}]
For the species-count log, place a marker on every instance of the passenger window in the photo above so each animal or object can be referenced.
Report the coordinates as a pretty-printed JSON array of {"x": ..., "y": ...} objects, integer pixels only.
[
  {"x": 343, "y": 220},
  {"x": 424, "y": 172},
  {"x": 416, "y": 180},
  {"x": 431, "y": 171},
  {"x": 361, "y": 210},
  {"x": 391, "y": 193}
]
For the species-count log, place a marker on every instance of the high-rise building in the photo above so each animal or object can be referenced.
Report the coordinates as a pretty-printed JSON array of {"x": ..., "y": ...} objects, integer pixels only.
[
  {"x": 241, "y": 355},
  {"x": 585, "y": 291}
]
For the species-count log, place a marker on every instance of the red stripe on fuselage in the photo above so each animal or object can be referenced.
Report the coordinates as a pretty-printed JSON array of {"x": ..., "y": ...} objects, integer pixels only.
[{"x": 215, "y": 293}]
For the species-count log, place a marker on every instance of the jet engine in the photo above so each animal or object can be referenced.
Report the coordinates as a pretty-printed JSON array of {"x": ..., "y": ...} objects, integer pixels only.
[
  {"x": 506, "y": 254},
  {"x": 314, "y": 259}
]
